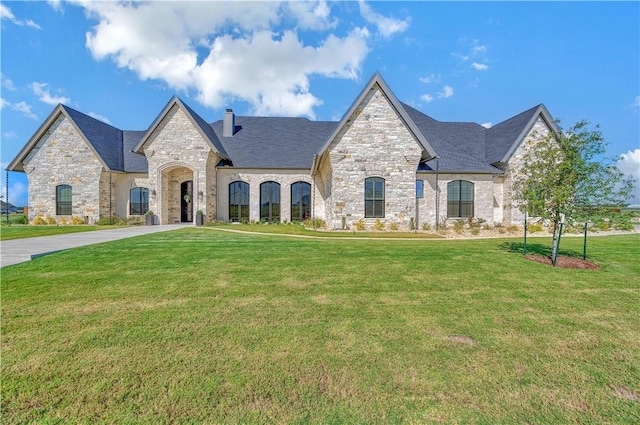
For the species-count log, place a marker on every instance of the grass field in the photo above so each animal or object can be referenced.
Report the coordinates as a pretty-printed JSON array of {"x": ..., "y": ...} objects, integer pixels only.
[
  {"x": 198, "y": 325},
  {"x": 18, "y": 231}
]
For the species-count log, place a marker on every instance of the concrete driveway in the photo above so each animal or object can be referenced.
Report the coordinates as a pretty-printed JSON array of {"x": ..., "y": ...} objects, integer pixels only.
[{"x": 20, "y": 250}]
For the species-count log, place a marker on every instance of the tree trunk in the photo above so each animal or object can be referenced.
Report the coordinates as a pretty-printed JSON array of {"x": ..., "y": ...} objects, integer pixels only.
[{"x": 554, "y": 243}]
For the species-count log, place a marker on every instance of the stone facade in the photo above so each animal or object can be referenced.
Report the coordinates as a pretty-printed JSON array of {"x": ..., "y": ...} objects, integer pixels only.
[
  {"x": 512, "y": 215},
  {"x": 62, "y": 156},
  {"x": 375, "y": 142},
  {"x": 176, "y": 152}
]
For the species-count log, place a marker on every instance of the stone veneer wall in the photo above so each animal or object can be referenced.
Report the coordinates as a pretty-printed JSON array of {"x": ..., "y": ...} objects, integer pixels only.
[
  {"x": 123, "y": 183},
  {"x": 176, "y": 143},
  {"x": 374, "y": 143},
  {"x": 62, "y": 156},
  {"x": 512, "y": 214},
  {"x": 255, "y": 177}
]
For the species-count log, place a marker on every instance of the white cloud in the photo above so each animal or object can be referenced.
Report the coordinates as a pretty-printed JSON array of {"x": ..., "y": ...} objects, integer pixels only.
[
  {"x": 25, "y": 109},
  {"x": 432, "y": 78},
  {"x": 227, "y": 51},
  {"x": 629, "y": 163},
  {"x": 99, "y": 117},
  {"x": 17, "y": 190},
  {"x": 387, "y": 26},
  {"x": 426, "y": 97},
  {"x": 5, "y": 13},
  {"x": 39, "y": 89},
  {"x": 56, "y": 5},
  {"x": 636, "y": 103},
  {"x": 480, "y": 66},
  {"x": 7, "y": 83},
  {"x": 447, "y": 91},
  {"x": 9, "y": 135},
  {"x": 3, "y": 103},
  {"x": 487, "y": 124}
]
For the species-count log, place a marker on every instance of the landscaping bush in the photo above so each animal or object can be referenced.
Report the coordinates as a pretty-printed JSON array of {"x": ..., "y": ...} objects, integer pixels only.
[
  {"x": 535, "y": 228},
  {"x": 315, "y": 223},
  {"x": 75, "y": 220},
  {"x": 51, "y": 221},
  {"x": 39, "y": 221},
  {"x": 393, "y": 226},
  {"x": 458, "y": 226},
  {"x": 359, "y": 225},
  {"x": 426, "y": 227},
  {"x": 378, "y": 226}
]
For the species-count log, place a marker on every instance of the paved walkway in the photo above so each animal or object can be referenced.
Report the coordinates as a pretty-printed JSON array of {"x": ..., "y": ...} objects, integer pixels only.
[{"x": 20, "y": 250}]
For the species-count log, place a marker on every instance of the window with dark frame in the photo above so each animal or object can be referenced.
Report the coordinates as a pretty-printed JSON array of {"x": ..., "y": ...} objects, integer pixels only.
[
  {"x": 138, "y": 201},
  {"x": 460, "y": 199},
  {"x": 270, "y": 202},
  {"x": 63, "y": 200},
  {"x": 300, "y": 201},
  {"x": 239, "y": 201},
  {"x": 374, "y": 197},
  {"x": 419, "y": 189}
]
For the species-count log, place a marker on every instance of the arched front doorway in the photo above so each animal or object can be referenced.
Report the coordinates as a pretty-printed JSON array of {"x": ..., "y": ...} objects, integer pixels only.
[{"x": 177, "y": 195}]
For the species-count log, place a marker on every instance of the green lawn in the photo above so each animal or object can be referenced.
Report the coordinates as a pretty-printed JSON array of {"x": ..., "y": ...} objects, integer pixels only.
[
  {"x": 196, "y": 325},
  {"x": 18, "y": 231}
]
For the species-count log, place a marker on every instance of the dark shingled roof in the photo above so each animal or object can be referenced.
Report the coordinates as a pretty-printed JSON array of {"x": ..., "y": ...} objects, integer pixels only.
[
  {"x": 503, "y": 135},
  {"x": 460, "y": 146},
  {"x": 291, "y": 143},
  {"x": 113, "y": 145},
  {"x": 271, "y": 142}
]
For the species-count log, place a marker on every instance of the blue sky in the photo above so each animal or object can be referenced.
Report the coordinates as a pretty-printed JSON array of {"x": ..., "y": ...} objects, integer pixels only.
[{"x": 482, "y": 62}]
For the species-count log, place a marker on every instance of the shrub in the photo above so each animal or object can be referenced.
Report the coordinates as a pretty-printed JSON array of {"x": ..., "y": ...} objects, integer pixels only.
[
  {"x": 475, "y": 231},
  {"x": 603, "y": 225},
  {"x": 359, "y": 225},
  {"x": 623, "y": 226},
  {"x": 426, "y": 227},
  {"x": 135, "y": 220},
  {"x": 458, "y": 226},
  {"x": 512, "y": 229},
  {"x": 75, "y": 220},
  {"x": 393, "y": 226},
  {"x": 535, "y": 228},
  {"x": 378, "y": 226},
  {"x": 39, "y": 221},
  {"x": 113, "y": 221},
  {"x": 51, "y": 221},
  {"x": 19, "y": 219},
  {"x": 63, "y": 221},
  {"x": 314, "y": 223}
]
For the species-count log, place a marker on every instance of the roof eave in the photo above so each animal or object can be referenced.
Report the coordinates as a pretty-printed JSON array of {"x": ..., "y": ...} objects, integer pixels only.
[{"x": 541, "y": 111}]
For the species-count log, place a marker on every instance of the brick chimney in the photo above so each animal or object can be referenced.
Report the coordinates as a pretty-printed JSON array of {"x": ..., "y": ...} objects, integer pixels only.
[{"x": 229, "y": 123}]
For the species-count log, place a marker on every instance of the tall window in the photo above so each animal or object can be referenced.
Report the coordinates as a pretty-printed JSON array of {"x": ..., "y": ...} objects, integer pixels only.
[
  {"x": 419, "y": 189},
  {"x": 63, "y": 200},
  {"x": 300, "y": 201},
  {"x": 239, "y": 201},
  {"x": 374, "y": 197},
  {"x": 270, "y": 201},
  {"x": 460, "y": 199},
  {"x": 138, "y": 201}
]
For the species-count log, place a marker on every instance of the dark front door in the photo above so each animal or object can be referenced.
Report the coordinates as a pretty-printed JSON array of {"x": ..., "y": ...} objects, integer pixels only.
[{"x": 186, "y": 201}]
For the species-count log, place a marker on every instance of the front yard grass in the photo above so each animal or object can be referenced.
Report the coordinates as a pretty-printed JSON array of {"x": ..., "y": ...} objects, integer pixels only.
[
  {"x": 195, "y": 326},
  {"x": 18, "y": 231}
]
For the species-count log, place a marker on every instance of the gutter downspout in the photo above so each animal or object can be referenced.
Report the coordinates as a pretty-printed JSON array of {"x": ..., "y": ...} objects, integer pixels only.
[
  {"x": 313, "y": 188},
  {"x": 437, "y": 194}
]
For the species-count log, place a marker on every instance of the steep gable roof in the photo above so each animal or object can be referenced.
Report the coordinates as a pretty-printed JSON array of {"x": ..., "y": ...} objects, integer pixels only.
[
  {"x": 199, "y": 124},
  {"x": 508, "y": 135},
  {"x": 399, "y": 108}
]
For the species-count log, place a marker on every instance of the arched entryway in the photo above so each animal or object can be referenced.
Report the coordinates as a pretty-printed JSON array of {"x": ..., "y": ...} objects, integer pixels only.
[{"x": 177, "y": 194}]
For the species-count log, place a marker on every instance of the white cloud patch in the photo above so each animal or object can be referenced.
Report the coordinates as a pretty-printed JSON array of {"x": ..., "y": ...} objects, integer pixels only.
[
  {"x": 44, "y": 95},
  {"x": 636, "y": 103},
  {"x": 447, "y": 91},
  {"x": 386, "y": 26},
  {"x": 99, "y": 117},
  {"x": 487, "y": 124},
  {"x": 426, "y": 97},
  {"x": 432, "y": 78},
  {"x": 6, "y": 14},
  {"x": 17, "y": 191},
  {"x": 629, "y": 164},
  {"x": 228, "y": 51},
  {"x": 3, "y": 103},
  {"x": 480, "y": 66},
  {"x": 9, "y": 135},
  {"x": 7, "y": 83},
  {"x": 25, "y": 109}
]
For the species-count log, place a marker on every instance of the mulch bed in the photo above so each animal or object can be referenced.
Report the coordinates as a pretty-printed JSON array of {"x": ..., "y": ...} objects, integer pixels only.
[{"x": 564, "y": 262}]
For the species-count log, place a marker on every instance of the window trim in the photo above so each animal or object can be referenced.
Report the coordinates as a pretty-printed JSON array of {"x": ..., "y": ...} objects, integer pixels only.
[
  {"x": 242, "y": 207},
  {"x": 273, "y": 198},
  {"x": 62, "y": 206},
  {"x": 374, "y": 200},
  {"x": 141, "y": 204},
  {"x": 302, "y": 215},
  {"x": 458, "y": 203}
]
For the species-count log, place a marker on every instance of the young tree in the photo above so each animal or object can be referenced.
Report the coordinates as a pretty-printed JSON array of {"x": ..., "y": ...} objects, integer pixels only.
[{"x": 566, "y": 174}]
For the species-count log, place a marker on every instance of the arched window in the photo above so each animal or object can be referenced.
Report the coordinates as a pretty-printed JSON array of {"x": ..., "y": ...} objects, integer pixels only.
[
  {"x": 460, "y": 199},
  {"x": 270, "y": 201},
  {"x": 138, "y": 201},
  {"x": 374, "y": 197},
  {"x": 239, "y": 201},
  {"x": 63, "y": 200},
  {"x": 300, "y": 201}
]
